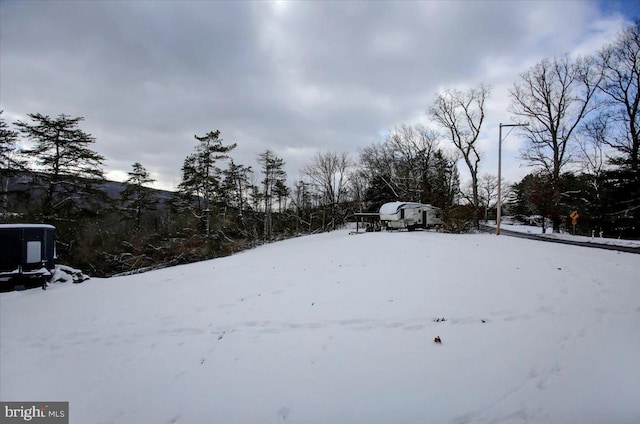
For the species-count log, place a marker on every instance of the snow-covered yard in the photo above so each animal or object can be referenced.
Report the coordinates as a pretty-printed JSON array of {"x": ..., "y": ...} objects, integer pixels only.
[{"x": 339, "y": 328}]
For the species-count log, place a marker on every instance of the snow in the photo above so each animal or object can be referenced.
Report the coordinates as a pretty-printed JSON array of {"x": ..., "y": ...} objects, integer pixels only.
[
  {"x": 64, "y": 274},
  {"x": 529, "y": 229},
  {"x": 27, "y": 226},
  {"x": 519, "y": 228},
  {"x": 336, "y": 328},
  {"x": 391, "y": 208}
]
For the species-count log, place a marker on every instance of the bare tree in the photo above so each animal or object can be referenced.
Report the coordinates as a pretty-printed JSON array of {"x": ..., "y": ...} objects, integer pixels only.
[
  {"x": 329, "y": 172},
  {"x": 461, "y": 114},
  {"x": 592, "y": 154},
  {"x": 378, "y": 164},
  {"x": 403, "y": 164},
  {"x": 358, "y": 185},
  {"x": 592, "y": 143},
  {"x": 554, "y": 97},
  {"x": 488, "y": 192},
  {"x": 620, "y": 64},
  {"x": 412, "y": 149}
]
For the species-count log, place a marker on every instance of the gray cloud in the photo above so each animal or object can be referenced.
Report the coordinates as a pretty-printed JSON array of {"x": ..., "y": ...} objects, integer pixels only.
[{"x": 296, "y": 77}]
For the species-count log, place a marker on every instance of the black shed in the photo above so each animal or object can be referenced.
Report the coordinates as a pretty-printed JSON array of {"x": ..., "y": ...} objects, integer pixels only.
[{"x": 27, "y": 254}]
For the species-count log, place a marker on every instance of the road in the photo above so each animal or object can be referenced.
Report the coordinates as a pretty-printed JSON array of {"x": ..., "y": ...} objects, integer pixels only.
[{"x": 503, "y": 232}]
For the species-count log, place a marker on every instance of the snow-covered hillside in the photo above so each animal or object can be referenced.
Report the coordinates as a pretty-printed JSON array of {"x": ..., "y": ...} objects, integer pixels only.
[{"x": 339, "y": 328}]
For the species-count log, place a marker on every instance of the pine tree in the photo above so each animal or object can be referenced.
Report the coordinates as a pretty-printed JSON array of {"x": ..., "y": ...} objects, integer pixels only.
[
  {"x": 136, "y": 198},
  {"x": 273, "y": 171},
  {"x": 302, "y": 202},
  {"x": 236, "y": 185},
  {"x": 8, "y": 144},
  {"x": 191, "y": 185},
  {"x": 8, "y": 161},
  {"x": 70, "y": 170},
  {"x": 520, "y": 203},
  {"x": 200, "y": 175},
  {"x": 281, "y": 191}
]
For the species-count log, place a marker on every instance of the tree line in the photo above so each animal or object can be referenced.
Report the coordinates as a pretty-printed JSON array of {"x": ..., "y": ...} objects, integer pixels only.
[
  {"x": 219, "y": 206},
  {"x": 581, "y": 139}
]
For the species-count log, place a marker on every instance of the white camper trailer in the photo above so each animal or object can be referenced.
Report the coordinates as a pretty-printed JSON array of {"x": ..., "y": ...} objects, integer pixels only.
[{"x": 409, "y": 215}]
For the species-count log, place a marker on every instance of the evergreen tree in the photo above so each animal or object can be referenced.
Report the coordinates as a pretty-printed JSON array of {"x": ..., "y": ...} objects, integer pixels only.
[
  {"x": 273, "y": 171},
  {"x": 520, "y": 203},
  {"x": 302, "y": 201},
  {"x": 200, "y": 175},
  {"x": 542, "y": 197},
  {"x": 235, "y": 186},
  {"x": 70, "y": 170},
  {"x": 9, "y": 162},
  {"x": 281, "y": 191},
  {"x": 379, "y": 192},
  {"x": 8, "y": 145},
  {"x": 136, "y": 198},
  {"x": 621, "y": 202},
  {"x": 532, "y": 196},
  {"x": 191, "y": 185}
]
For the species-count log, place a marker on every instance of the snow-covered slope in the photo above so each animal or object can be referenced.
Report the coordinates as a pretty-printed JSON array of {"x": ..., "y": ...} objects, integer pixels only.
[{"x": 336, "y": 328}]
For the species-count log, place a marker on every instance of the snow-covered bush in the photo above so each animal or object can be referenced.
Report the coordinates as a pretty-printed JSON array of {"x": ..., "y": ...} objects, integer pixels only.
[{"x": 65, "y": 274}]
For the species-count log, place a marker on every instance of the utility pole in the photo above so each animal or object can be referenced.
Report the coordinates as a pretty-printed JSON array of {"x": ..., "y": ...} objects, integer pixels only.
[{"x": 499, "y": 210}]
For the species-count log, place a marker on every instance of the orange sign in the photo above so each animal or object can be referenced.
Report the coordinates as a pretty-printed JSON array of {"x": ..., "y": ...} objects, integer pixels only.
[{"x": 574, "y": 216}]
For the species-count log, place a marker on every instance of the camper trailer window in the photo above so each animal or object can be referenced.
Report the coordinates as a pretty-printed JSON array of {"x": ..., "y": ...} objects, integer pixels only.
[{"x": 34, "y": 252}]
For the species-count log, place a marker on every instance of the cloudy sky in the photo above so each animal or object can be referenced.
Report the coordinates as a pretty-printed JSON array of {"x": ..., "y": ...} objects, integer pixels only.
[{"x": 295, "y": 77}]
